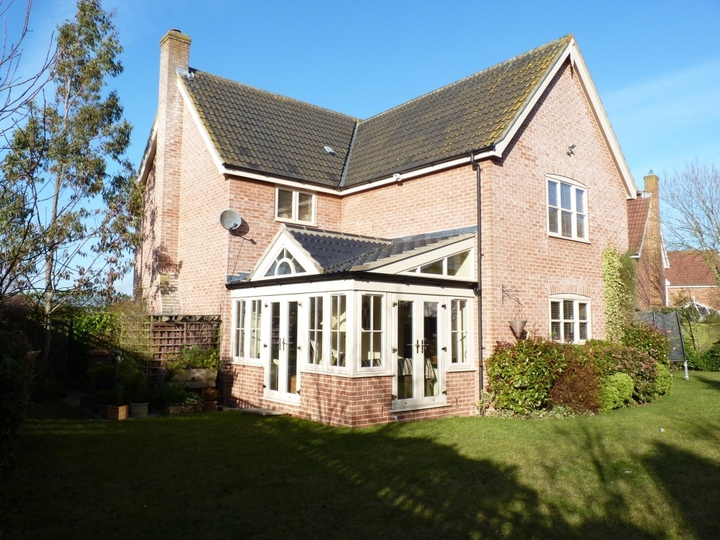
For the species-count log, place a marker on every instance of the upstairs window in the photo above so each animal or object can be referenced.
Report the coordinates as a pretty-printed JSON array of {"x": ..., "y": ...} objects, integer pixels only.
[
  {"x": 295, "y": 206},
  {"x": 567, "y": 209},
  {"x": 570, "y": 318}
]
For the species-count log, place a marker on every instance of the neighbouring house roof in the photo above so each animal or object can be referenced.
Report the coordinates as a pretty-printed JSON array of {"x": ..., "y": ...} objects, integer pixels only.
[
  {"x": 690, "y": 268},
  {"x": 259, "y": 131},
  {"x": 638, "y": 212}
]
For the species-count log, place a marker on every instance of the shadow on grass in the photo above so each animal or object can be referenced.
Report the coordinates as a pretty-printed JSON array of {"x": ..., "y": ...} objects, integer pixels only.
[
  {"x": 693, "y": 484},
  {"x": 234, "y": 476}
]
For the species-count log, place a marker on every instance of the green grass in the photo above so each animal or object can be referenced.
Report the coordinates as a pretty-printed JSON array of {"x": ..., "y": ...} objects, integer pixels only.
[{"x": 230, "y": 475}]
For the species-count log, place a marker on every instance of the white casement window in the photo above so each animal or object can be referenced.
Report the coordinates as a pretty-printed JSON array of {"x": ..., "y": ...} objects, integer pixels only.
[
  {"x": 239, "y": 330},
  {"x": 459, "y": 319},
  {"x": 338, "y": 330},
  {"x": 294, "y": 206},
  {"x": 315, "y": 330},
  {"x": 570, "y": 318},
  {"x": 255, "y": 329},
  {"x": 458, "y": 265},
  {"x": 567, "y": 209},
  {"x": 371, "y": 330}
]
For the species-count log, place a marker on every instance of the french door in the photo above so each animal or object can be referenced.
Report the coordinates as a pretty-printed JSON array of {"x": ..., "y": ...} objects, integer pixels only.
[
  {"x": 420, "y": 354},
  {"x": 282, "y": 376}
]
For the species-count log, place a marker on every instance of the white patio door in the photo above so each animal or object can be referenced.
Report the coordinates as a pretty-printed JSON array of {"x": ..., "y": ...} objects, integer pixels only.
[
  {"x": 420, "y": 359},
  {"x": 282, "y": 376}
]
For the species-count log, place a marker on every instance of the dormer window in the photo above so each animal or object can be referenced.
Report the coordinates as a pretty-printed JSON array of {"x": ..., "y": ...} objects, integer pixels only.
[
  {"x": 294, "y": 206},
  {"x": 284, "y": 265}
]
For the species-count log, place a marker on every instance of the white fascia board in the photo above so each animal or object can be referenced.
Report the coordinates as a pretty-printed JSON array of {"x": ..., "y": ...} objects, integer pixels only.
[
  {"x": 199, "y": 124},
  {"x": 149, "y": 155},
  {"x": 578, "y": 64},
  {"x": 296, "y": 184}
]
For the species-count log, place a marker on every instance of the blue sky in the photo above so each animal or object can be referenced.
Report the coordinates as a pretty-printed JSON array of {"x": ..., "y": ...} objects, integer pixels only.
[{"x": 656, "y": 64}]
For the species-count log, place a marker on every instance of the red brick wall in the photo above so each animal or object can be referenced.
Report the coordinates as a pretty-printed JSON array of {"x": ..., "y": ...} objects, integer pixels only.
[{"x": 344, "y": 401}]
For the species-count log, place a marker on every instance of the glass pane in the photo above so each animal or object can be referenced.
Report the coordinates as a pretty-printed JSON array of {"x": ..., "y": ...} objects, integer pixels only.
[
  {"x": 337, "y": 331},
  {"x": 274, "y": 345},
  {"x": 305, "y": 210},
  {"x": 579, "y": 201},
  {"x": 555, "y": 311},
  {"x": 458, "y": 331},
  {"x": 435, "y": 267},
  {"x": 567, "y": 224},
  {"x": 430, "y": 349},
  {"x": 284, "y": 203},
  {"x": 569, "y": 332},
  {"x": 377, "y": 313},
  {"x": 255, "y": 328},
  {"x": 583, "y": 331},
  {"x": 565, "y": 196},
  {"x": 238, "y": 349},
  {"x": 315, "y": 329},
  {"x": 456, "y": 264},
  {"x": 552, "y": 193},
  {"x": 553, "y": 220},
  {"x": 405, "y": 344},
  {"x": 568, "y": 310},
  {"x": 377, "y": 357},
  {"x": 581, "y": 226},
  {"x": 366, "y": 312},
  {"x": 582, "y": 311},
  {"x": 555, "y": 331},
  {"x": 365, "y": 349},
  {"x": 291, "y": 346}
]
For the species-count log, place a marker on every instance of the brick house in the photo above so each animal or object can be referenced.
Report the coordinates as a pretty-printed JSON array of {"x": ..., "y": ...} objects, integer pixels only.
[
  {"x": 647, "y": 246},
  {"x": 365, "y": 268},
  {"x": 692, "y": 277}
]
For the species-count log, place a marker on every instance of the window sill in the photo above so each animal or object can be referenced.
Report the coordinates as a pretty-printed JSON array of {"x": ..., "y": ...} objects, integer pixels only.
[
  {"x": 461, "y": 368},
  {"x": 414, "y": 406},
  {"x": 560, "y": 237}
]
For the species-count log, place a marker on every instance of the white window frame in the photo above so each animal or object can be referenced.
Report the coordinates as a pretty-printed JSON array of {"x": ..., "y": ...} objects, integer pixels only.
[
  {"x": 459, "y": 337},
  {"x": 295, "y": 206},
  {"x": 575, "y": 320},
  {"x": 371, "y": 331},
  {"x": 575, "y": 213}
]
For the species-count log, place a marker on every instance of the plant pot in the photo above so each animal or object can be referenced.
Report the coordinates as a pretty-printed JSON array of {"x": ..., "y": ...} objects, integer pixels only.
[
  {"x": 210, "y": 406},
  {"x": 138, "y": 410},
  {"x": 117, "y": 412},
  {"x": 517, "y": 327}
]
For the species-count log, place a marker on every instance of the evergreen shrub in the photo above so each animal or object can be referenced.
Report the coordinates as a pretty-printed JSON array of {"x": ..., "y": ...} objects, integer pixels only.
[
  {"x": 522, "y": 374},
  {"x": 649, "y": 339},
  {"x": 615, "y": 391}
]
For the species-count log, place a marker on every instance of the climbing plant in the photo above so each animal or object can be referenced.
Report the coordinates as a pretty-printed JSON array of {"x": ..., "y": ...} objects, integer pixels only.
[{"x": 619, "y": 284}]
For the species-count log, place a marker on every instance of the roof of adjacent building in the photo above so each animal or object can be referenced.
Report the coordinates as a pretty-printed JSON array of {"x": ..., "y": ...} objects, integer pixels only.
[
  {"x": 638, "y": 211},
  {"x": 259, "y": 131},
  {"x": 340, "y": 252},
  {"x": 691, "y": 268}
]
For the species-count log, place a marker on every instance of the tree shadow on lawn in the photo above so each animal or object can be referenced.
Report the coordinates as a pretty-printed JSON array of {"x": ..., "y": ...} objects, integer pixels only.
[
  {"x": 233, "y": 476},
  {"x": 693, "y": 484}
]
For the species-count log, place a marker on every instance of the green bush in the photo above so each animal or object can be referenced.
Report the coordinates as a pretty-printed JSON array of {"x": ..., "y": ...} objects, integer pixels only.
[
  {"x": 692, "y": 355},
  {"x": 522, "y": 374},
  {"x": 664, "y": 380},
  {"x": 710, "y": 359},
  {"x": 616, "y": 391},
  {"x": 649, "y": 339},
  {"x": 195, "y": 357},
  {"x": 639, "y": 365},
  {"x": 577, "y": 386}
]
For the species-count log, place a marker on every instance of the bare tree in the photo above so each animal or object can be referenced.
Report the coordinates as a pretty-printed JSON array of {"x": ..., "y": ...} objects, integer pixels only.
[
  {"x": 18, "y": 88},
  {"x": 693, "y": 220}
]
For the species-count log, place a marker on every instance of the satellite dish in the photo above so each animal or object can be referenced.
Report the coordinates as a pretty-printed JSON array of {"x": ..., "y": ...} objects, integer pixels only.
[{"x": 230, "y": 220}]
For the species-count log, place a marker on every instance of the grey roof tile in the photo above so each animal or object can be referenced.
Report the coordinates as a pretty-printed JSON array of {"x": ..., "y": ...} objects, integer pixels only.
[{"x": 260, "y": 131}]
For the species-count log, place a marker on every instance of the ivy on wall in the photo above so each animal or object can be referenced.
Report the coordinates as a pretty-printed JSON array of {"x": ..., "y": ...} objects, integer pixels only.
[{"x": 619, "y": 284}]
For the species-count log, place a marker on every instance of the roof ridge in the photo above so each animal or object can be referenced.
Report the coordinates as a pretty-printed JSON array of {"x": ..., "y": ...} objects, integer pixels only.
[
  {"x": 567, "y": 37},
  {"x": 192, "y": 71}
]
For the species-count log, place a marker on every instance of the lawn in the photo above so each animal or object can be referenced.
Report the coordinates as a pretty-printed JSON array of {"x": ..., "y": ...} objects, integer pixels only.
[{"x": 643, "y": 472}]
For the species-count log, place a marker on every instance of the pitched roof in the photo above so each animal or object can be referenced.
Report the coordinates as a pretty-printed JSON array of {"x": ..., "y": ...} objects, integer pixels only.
[
  {"x": 638, "y": 211},
  {"x": 690, "y": 268},
  {"x": 259, "y": 131},
  {"x": 340, "y": 252}
]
